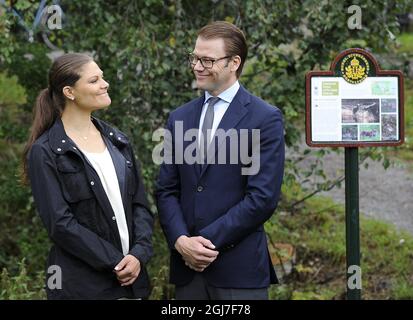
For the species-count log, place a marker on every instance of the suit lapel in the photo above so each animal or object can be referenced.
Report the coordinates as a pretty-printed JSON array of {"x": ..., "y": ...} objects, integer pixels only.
[
  {"x": 193, "y": 117},
  {"x": 193, "y": 123}
]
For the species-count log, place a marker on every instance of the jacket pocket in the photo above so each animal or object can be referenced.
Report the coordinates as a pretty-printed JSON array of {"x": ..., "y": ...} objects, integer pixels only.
[{"x": 75, "y": 184}]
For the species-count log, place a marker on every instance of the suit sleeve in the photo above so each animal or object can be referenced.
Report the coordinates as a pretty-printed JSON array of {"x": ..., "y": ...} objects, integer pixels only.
[
  {"x": 61, "y": 225},
  {"x": 262, "y": 190},
  {"x": 168, "y": 193}
]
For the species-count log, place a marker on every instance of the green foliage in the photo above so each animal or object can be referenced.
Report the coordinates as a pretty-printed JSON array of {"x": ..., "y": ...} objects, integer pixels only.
[
  {"x": 409, "y": 120},
  {"x": 12, "y": 97},
  {"x": 280, "y": 292},
  {"x": 11, "y": 93},
  {"x": 22, "y": 286},
  {"x": 30, "y": 64},
  {"x": 161, "y": 288},
  {"x": 312, "y": 295},
  {"x": 158, "y": 268},
  {"x": 22, "y": 233},
  {"x": 6, "y": 37},
  {"x": 405, "y": 43},
  {"x": 379, "y": 235},
  {"x": 405, "y": 151},
  {"x": 403, "y": 290}
]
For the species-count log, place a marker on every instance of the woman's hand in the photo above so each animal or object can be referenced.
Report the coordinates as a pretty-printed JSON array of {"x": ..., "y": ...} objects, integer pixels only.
[{"x": 128, "y": 270}]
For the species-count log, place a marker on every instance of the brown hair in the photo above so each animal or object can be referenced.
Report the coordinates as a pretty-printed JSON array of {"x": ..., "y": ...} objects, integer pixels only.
[
  {"x": 50, "y": 103},
  {"x": 234, "y": 39}
]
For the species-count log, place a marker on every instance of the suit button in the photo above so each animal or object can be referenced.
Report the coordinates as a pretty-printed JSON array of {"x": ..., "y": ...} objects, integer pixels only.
[
  {"x": 200, "y": 188},
  {"x": 113, "y": 218}
]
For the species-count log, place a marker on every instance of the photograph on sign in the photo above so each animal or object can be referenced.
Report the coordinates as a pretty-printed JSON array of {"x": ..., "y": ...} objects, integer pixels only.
[{"x": 346, "y": 112}]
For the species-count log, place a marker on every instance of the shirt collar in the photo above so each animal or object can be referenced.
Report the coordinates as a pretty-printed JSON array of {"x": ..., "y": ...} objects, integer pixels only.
[
  {"x": 227, "y": 95},
  {"x": 60, "y": 143}
]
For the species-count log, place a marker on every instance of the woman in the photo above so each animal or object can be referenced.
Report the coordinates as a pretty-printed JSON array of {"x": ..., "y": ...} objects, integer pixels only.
[{"x": 87, "y": 189}]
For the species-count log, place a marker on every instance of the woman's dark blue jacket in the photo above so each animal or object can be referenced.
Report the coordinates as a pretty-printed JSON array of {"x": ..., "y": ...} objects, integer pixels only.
[{"x": 79, "y": 219}]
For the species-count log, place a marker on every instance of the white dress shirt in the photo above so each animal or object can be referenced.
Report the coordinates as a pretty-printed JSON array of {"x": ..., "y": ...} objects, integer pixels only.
[{"x": 220, "y": 108}]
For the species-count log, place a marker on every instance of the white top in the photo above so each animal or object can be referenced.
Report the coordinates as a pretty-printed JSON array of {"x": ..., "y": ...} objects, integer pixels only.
[
  {"x": 103, "y": 164},
  {"x": 220, "y": 107}
]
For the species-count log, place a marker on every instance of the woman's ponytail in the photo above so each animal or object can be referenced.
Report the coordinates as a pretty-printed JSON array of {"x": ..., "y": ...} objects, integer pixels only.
[{"x": 45, "y": 112}]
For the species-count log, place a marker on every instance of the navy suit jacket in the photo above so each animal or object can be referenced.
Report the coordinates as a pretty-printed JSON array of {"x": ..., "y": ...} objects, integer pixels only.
[{"x": 218, "y": 202}]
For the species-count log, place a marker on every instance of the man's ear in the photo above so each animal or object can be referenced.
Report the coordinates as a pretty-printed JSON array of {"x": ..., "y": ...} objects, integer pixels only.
[
  {"x": 68, "y": 93},
  {"x": 236, "y": 62}
]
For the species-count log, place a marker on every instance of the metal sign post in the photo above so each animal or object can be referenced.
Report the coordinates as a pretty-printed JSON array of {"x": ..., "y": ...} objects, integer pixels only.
[
  {"x": 352, "y": 223},
  {"x": 354, "y": 104}
]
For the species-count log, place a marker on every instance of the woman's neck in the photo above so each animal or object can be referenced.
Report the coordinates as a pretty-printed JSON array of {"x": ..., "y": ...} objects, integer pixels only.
[{"x": 76, "y": 120}]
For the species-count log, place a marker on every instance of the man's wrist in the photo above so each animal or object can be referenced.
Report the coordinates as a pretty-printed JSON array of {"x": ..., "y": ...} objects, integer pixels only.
[{"x": 179, "y": 241}]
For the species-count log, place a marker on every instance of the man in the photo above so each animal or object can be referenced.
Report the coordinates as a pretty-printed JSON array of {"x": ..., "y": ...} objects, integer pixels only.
[{"x": 212, "y": 212}]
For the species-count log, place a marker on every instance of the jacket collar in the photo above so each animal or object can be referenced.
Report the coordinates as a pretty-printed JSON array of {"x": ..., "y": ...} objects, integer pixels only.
[
  {"x": 60, "y": 142},
  {"x": 227, "y": 95},
  {"x": 241, "y": 98}
]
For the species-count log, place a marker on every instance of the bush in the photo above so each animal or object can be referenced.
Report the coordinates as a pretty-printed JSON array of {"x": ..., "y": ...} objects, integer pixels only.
[{"x": 22, "y": 286}]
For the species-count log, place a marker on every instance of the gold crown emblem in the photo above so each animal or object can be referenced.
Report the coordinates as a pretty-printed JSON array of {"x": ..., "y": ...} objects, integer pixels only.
[
  {"x": 353, "y": 71},
  {"x": 354, "y": 62}
]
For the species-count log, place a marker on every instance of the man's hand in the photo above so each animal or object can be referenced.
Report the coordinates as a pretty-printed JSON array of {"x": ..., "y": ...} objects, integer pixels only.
[
  {"x": 128, "y": 270},
  {"x": 197, "y": 252}
]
